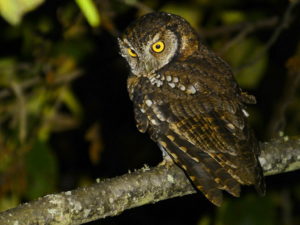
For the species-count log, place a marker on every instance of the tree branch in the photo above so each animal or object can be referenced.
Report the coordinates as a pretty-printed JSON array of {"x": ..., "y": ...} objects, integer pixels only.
[
  {"x": 111, "y": 197},
  {"x": 232, "y": 28},
  {"x": 278, "y": 117},
  {"x": 246, "y": 30},
  {"x": 280, "y": 155}
]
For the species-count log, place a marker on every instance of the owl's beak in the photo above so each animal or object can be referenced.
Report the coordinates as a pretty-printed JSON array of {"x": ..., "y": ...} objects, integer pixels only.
[{"x": 150, "y": 66}]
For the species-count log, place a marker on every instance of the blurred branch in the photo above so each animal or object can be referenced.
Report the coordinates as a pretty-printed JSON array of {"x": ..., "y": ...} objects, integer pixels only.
[
  {"x": 108, "y": 15},
  {"x": 20, "y": 109},
  {"x": 29, "y": 83},
  {"x": 285, "y": 22},
  {"x": 246, "y": 27},
  {"x": 278, "y": 120},
  {"x": 138, "y": 5},
  {"x": 111, "y": 197},
  {"x": 24, "y": 85}
]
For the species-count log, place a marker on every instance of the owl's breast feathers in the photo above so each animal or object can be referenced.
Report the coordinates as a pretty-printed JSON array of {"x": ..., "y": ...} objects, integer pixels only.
[{"x": 201, "y": 123}]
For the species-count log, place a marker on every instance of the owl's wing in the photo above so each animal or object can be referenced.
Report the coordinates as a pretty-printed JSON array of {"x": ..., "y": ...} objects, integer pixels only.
[
  {"x": 206, "y": 134},
  {"x": 210, "y": 140},
  {"x": 141, "y": 120},
  {"x": 221, "y": 132}
]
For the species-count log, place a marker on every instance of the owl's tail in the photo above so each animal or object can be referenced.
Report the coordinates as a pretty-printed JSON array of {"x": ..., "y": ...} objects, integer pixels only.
[
  {"x": 204, "y": 172},
  {"x": 260, "y": 185}
]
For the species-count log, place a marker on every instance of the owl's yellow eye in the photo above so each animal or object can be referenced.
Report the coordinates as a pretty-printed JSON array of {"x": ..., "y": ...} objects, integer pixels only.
[
  {"x": 131, "y": 52},
  {"x": 158, "y": 46}
]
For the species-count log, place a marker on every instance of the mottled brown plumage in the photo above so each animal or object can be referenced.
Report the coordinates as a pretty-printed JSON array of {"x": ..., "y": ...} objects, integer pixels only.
[{"x": 186, "y": 98}]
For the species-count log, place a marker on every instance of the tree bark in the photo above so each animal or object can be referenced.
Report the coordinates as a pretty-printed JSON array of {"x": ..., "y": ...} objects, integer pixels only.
[{"x": 111, "y": 197}]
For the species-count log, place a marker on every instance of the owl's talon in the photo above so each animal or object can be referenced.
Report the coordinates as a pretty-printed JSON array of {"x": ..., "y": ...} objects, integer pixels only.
[{"x": 166, "y": 163}]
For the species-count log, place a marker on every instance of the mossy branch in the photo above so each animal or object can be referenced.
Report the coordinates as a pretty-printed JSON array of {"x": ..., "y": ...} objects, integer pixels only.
[{"x": 111, "y": 197}]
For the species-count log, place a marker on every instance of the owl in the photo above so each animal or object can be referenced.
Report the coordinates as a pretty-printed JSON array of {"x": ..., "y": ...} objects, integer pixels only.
[{"x": 187, "y": 99}]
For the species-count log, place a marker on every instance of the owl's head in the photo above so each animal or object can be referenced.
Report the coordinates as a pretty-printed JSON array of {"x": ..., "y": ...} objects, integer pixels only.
[{"x": 154, "y": 40}]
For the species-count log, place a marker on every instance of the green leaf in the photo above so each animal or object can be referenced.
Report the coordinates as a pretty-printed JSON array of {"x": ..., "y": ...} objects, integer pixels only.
[
  {"x": 9, "y": 201},
  {"x": 42, "y": 170},
  {"x": 205, "y": 220},
  {"x": 13, "y": 10},
  {"x": 90, "y": 12},
  {"x": 249, "y": 209},
  {"x": 7, "y": 70},
  {"x": 231, "y": 16},
  {"x": 252, "y": 75},
  {"x": 240, "y": 54},
  {"x": 71, "y": 102}
]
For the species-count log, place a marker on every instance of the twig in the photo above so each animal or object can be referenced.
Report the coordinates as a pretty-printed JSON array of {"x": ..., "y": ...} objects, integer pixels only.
[
  {"x": 249, "y": 29},
  {"x": 62, "y": 79},
  {"x": 227, "y": 29},
  {"x": 278, "y": 119},
  {"x": 20, "y": 109},
  {"x": 26, "y": 84},
  {"x": 286, "y": 21},
  {"x": 112, "y": 196},
  {"x": 107, "y": 15},
  {"x": 140, "y": 6}
]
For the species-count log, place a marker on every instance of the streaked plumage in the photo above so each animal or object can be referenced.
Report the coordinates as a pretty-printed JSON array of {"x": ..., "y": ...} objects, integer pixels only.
[{"x": 186, "y": 98}]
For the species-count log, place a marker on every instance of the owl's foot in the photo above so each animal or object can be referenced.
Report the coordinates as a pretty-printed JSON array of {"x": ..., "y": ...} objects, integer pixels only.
[{"x": 167, "y": 162}]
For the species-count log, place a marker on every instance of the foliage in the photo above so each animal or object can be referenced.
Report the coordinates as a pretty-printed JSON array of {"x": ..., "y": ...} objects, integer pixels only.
[{"x": 13, "y": 10}]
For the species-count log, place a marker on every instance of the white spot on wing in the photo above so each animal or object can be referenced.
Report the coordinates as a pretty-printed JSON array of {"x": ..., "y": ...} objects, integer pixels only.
[
  {"x": 245, "y": 112},
  {"x": 159, "y": 83},
  {"x": 161, "y": 117},
  {"x": 158, "y": 113},
  {"x": 195, "y": 159},
  {"x": 169, "y": 78},
  {"x": 230, "y": 126},
  {"x": 148, "y": 102},
  {"x": 154, "y": 122},
  {"x": 175, "y": 79},
  {"x": 181, "y": 87},
  {"x": 191, "y": 89},
  {"x": 172, "y": 85},
  {"x": 152, "y": 80}
]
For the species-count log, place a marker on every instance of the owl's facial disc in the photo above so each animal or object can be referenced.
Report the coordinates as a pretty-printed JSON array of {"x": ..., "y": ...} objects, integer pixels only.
[{"x": 147, "y": 55}]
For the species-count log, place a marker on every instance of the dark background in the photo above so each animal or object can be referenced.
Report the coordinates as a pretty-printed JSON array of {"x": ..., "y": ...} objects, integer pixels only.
[{"x": 81, "y": 129}]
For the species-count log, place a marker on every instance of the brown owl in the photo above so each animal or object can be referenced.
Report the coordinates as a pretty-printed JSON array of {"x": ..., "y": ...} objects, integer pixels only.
[{"x": 187, "y": 99}]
